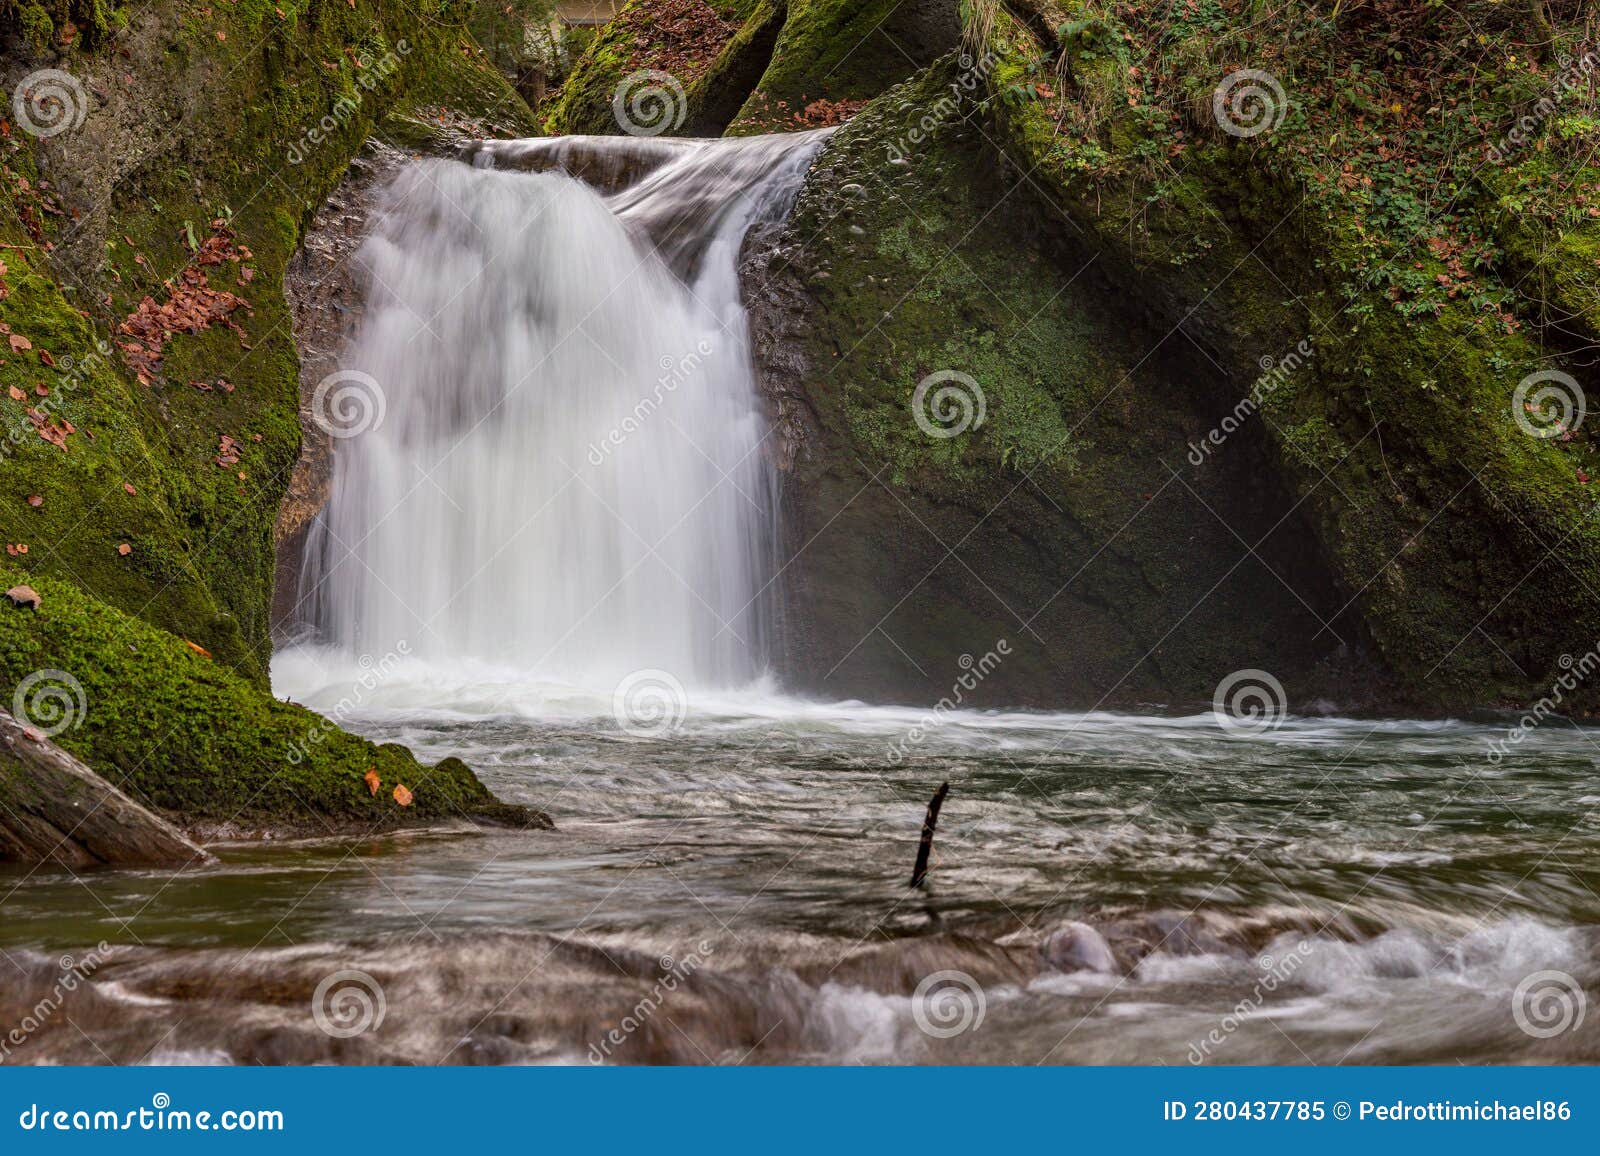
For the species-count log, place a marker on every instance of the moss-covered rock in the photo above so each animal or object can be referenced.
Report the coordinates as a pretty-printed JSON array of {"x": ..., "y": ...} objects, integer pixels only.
[
  {"x": 1467, "y": 545},
  {"x": 179, "y": 731},
  {"x": 637, "y": 74},
  {"x": 1045, "y": 498},
  {"x": 747, "y": 66},
  {"x": 834, "y": 55},
  {"x": 149, "y": 391}
]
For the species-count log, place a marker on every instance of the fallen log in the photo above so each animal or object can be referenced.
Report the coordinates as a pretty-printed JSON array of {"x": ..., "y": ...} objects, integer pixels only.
[{"x": 54, "y": 809}]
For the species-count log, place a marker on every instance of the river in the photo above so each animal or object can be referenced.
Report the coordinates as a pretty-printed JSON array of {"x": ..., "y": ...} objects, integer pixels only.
[{"x": 549, "y": 552}]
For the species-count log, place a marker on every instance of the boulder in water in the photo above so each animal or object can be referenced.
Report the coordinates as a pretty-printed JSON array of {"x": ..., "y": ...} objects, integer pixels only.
[{"x": 1075, "y": 946}]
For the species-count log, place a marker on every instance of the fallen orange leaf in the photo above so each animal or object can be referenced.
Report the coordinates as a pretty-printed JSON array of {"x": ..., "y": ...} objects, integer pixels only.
[
  {"x": 372, "y": 779},
  {"x": 197, "y": 648},
  {"x": 402, "y": 795}
]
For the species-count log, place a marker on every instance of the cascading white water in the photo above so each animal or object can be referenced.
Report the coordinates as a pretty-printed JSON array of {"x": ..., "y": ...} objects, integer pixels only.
[{"x": 569, "y": 476}]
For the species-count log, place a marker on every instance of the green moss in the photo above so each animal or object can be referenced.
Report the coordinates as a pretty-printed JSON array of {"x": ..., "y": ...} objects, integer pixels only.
[
  {"x": 36, "y": 25},
  {"x": 183, "y": 733}
]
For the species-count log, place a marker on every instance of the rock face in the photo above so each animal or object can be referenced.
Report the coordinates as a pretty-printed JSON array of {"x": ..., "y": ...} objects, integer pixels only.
[
  {"x": 1056, "y": 512},
  {"x": 53, "y": 809},
  {"x": 1155, "y": 430},
  {"x": 327, "y": 294}
]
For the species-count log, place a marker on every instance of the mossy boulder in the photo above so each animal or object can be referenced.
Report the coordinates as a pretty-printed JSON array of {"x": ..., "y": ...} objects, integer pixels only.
[
  {"x": 834, "y": 55},
  {"x": 149, "y": 391},
  {"x": 986, "y": 439},
  {"x": 638, "y": 73},
  {"x": 181, "y": 732}
]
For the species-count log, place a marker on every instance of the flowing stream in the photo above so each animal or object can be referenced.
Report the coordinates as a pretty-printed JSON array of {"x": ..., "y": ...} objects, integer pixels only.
[{"x": 520, "y": 535}]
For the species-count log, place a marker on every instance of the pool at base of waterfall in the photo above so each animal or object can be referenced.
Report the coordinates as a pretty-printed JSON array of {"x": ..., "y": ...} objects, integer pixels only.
[{"x": 731, "y": 887}]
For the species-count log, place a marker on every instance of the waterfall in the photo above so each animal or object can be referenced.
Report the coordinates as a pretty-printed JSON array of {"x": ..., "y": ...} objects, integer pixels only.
[{"x": 555, "y": 459}]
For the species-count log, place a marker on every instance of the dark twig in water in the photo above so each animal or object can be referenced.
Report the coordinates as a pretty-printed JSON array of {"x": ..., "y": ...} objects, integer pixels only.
[{"x": 929, "y": 822}]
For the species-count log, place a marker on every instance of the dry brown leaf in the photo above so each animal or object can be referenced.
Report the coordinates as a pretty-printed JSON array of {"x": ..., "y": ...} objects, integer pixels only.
[{"x": 25, "y": 596}]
